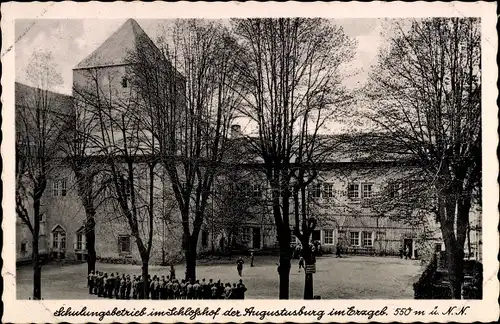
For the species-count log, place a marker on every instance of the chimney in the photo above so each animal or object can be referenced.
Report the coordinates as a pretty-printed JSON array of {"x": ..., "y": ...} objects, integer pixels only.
[{"x": 235, "y": 131}]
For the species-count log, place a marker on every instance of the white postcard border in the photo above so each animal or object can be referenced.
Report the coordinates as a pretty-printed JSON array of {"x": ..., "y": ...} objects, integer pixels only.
[{"x": 43, "y": 311}]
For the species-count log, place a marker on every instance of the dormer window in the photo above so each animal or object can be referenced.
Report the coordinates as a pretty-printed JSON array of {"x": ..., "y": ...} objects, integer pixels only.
[{"x": 124, "y": 82}]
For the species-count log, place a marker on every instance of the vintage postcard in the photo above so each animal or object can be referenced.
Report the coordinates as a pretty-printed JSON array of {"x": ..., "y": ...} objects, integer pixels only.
[{"x": 249, "y": 162}]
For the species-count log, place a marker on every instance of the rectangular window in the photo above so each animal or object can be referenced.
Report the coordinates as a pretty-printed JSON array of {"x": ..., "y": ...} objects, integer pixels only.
[
  {"x": 63, "y": 241},
  {"x": 124, "y": 242},
  {"x": 367, "y": 190},
  {"x": 328, "y": 190},
  {"x": 23, "y": 248},
  {"x": 327, "y": 236},
  {"x": 367, "y": 239},
  {"x": 353, "y": 191},
  {"x": 55, "y": 240},
  {"x": 55, "y": 188},
  {"x": 355, "y": 238},
  {"x": 316, "y": 190},
  {"x": 79, "y": 241},
  {"x": 124, "y": 82},
  {"x": 64, "y": 184}
]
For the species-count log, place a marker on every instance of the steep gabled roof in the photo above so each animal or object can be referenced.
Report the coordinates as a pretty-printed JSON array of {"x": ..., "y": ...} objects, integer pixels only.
[{"x": 117, "y": 48}]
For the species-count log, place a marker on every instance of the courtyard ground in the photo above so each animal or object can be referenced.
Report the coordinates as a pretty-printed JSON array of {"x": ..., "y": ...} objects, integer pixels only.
[{"x": 351, "y": 277}]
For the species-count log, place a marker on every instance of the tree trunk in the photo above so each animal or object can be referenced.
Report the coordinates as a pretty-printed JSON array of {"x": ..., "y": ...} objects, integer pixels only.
[
  {"x": 284, "y": 273},
  {"x": 285, "y": 262},
  {"x": 455, "y": 261},
  {"x": 190, "y": 263},
  {"x": 37, "y": 265},
  {"x": 37, "y": 271},
  {"x": 145, "y": 272},
  {"x": 308, "y": 286},
  {"x": 309, "y": 260},
  {"x": 455, "y": 271},
  {"x": 90, "y": 239}
]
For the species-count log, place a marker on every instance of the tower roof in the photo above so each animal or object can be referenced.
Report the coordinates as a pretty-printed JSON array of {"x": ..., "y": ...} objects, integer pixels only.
[{"x": 116, "y": 49}]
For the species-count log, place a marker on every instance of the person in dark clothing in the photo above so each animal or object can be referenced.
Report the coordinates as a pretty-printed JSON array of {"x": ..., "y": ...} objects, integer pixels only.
[
  {"x": 169, "y": 291},
  {"x": 90, "y": 282},
  {"x": 203, "y": 289},
  {"x": 155, "y": 288},
  {"x": 102, "y": 284},
  {"x": 221, "y": 292},
  {"x": 338, "y": 250},
  {"x": 163, "y": 288},
  {"x": 97, "y": 277},
  {"x": 111, "y": 285},
  {"x": 172, "y": 272},
  {"x": 234, "y": 292},
  {"x": 123, "y": 286},
  {"x": 239, "y": 266},
  {"x": 176, "y": 288},
  {"x": 189, "y": 289},
  {"x": 215, "y": 291},
  {"x": 140, "y": 288},
  {"x": 128, "y": 287},
  {"x": 197, "y": 290},
  {"x": 301, "y": 263},
  {"x": 227, "y": 291},
  {"x": 116, "y": 286},
  {"x": 243, "y": 289},
  {"x": 135, "y": 281},
  {"x": 252, "y": 257}
]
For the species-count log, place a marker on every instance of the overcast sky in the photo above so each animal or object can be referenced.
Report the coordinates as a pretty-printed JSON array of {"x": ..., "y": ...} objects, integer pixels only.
[{"x": 71, "y": 40}]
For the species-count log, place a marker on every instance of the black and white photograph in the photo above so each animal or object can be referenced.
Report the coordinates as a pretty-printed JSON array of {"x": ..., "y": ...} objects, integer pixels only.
[{"x": 250, "y": 158}]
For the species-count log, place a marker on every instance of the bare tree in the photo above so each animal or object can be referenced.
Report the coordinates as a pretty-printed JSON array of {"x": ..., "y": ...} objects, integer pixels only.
[
  {"x": 186, "y": 90},
  {"x": 426, "y": 99},
  {"x": 124, "y": 150},
  {"x": 291, "y": 71},
  {"x": 91, "y": 180},
  {"x": 40, "y": 115}
]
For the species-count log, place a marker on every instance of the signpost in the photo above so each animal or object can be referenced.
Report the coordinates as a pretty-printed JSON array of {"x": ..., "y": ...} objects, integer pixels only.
[{"x": 310, "y": 268}]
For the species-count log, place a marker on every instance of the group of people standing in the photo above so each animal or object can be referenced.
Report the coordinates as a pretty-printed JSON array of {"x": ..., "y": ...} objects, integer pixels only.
[
  {"x": 123, "y": 286},
  {"x": 314, "y": 246}
]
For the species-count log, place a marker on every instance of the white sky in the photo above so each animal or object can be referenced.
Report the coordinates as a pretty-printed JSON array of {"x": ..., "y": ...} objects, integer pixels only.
[{"x": 71, "y": 40}]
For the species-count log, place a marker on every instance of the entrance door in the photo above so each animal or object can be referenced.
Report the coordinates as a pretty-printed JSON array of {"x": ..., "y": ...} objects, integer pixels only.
[
  {"x": 256, "y": 238},
  {"x": 409, "y": 245}
]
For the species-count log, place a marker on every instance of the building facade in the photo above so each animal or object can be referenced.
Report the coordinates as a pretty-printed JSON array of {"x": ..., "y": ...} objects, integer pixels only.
[{"x": 344, "y": 199}]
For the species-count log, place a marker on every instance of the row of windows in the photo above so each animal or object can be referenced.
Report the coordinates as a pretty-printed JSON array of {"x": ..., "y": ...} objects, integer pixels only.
[
  {"x": 365, "y": 239},
  {"x": 356, "y": 238},
  {"x": 59, "y": 239},
  {"x": 354, "y": 190},
  {"x": 319, "y": 190}
]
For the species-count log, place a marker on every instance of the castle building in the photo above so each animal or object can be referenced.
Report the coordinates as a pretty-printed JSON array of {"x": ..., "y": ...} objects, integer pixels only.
[{"x": 343, "y": 199}]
